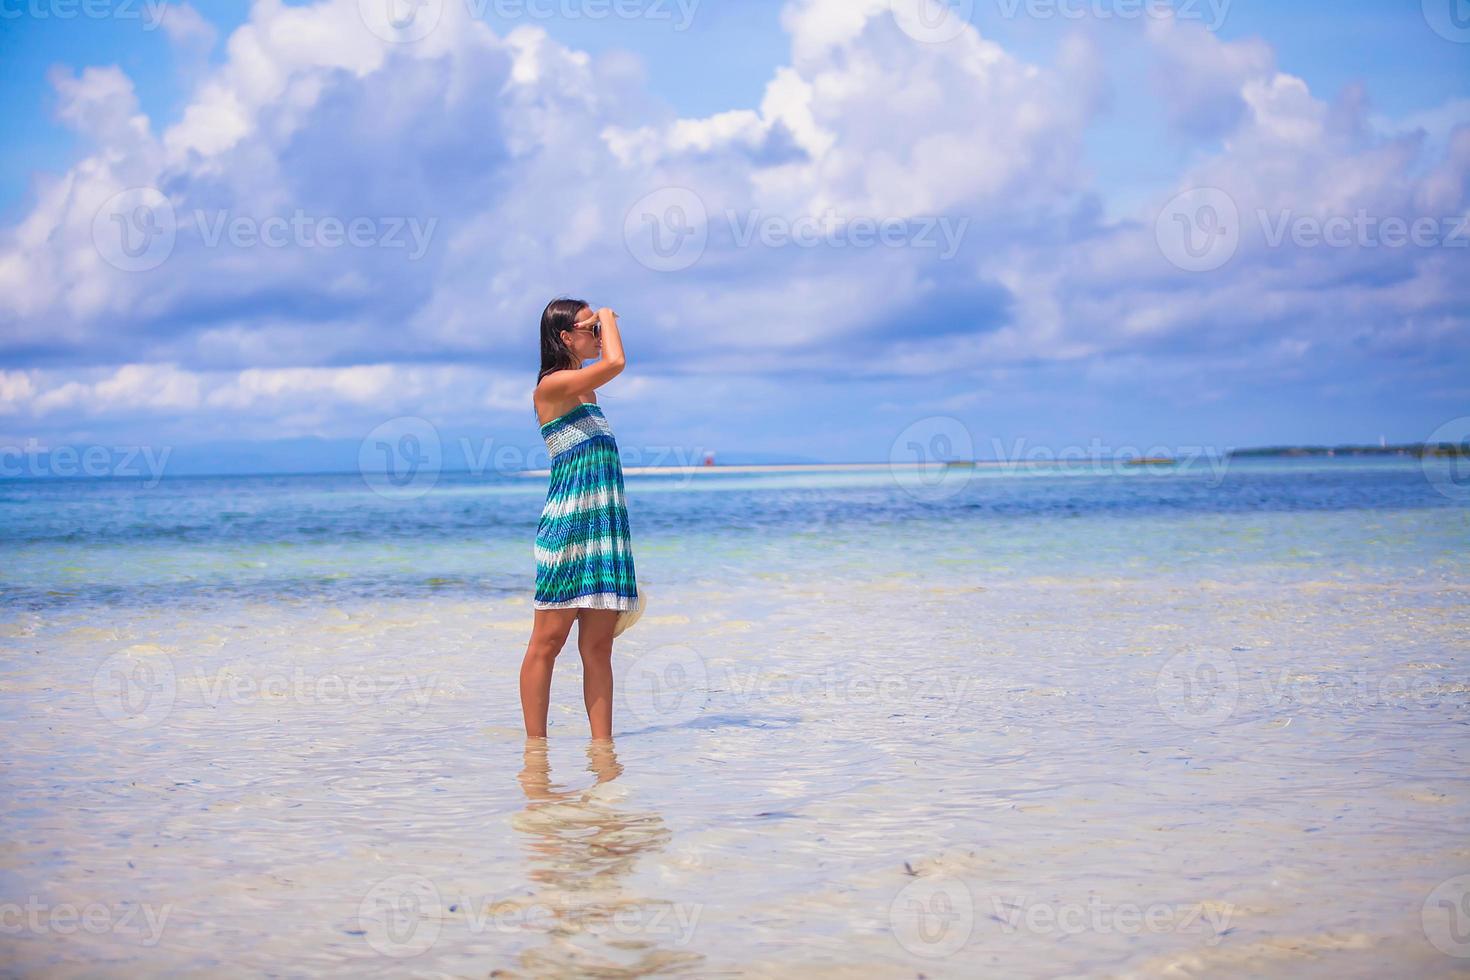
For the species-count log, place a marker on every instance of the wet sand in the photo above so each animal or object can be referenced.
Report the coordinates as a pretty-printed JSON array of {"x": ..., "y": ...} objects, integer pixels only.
[{"x": 850, "y": 777}]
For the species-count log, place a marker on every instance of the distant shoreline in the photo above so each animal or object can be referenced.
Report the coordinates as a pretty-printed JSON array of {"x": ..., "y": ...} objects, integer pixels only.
[
  {"x": 1406, "y": 449},
  {"x": 1412, "y": 450},
  {"x": 1402, "y": 451}
]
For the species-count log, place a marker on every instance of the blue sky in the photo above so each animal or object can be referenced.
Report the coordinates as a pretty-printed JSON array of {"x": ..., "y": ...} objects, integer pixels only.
[{"x": 1054, "y": 139}]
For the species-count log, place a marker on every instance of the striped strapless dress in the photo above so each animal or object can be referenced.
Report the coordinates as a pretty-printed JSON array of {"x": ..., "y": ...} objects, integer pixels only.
[{"x": 584, "y": 547}]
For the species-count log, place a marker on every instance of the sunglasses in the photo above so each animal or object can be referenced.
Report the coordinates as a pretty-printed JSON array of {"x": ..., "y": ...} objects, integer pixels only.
[{"x": 596, "y": 327}]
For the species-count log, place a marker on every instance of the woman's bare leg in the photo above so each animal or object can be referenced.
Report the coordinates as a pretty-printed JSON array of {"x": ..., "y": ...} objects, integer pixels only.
[
  {"x": 595, "y": 642},
  {"x": 548, "y": 635}
]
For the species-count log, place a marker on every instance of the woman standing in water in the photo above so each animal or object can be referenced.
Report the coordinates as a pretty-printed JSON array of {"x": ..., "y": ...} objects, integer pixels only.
[{"x": 584, "y": 555}]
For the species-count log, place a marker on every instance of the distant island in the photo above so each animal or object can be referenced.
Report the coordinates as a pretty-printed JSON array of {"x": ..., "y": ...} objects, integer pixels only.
[
  {"x": 314, "y": 456},
  {"x": 1420, "y": 449}
]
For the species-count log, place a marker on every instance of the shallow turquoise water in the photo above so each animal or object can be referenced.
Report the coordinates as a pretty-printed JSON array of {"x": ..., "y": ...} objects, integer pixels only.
[
  {"x": 1032, "y": 723},
  {"x": 191, "y": 539}
]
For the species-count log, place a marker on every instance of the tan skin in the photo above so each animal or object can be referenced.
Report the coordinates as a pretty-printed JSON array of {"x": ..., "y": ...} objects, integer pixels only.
[{"x": 558, "y": 393}]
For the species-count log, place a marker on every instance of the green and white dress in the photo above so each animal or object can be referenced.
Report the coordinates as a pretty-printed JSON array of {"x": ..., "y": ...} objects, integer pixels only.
[{"x": 584, "y": 547}]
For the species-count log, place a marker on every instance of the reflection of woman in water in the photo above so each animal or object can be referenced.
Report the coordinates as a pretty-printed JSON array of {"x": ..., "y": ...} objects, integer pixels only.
[
  {"x": 584, "y": 554},
  {"x": 581, "y": 850}
]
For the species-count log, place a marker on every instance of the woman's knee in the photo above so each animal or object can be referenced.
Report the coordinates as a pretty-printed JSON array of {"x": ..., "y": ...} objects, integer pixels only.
[
  {"x": 595, "y": 650},
  {"x": 546, "y": 646},
  {"x": 595, "y": 630}
]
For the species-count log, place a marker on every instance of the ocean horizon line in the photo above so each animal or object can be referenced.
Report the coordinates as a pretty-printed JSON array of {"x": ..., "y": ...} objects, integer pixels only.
[{"x": 1282, "y": 453}]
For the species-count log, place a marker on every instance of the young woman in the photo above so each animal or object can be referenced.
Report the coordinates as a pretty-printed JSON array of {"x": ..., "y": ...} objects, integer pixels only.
[{"x": 584, "y": 555}]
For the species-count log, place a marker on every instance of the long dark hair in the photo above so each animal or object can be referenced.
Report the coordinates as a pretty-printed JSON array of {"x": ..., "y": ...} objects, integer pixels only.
[{"x": 560, "y": 314}]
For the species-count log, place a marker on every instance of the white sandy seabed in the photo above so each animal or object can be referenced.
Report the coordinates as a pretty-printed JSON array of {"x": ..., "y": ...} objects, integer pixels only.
[{"x": 824, "y": 778}]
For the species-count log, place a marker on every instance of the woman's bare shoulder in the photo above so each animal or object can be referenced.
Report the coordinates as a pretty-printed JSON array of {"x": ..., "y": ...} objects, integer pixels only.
[
  {"x": 543, "y": 390},
  {"x": 549, "y": 403}
]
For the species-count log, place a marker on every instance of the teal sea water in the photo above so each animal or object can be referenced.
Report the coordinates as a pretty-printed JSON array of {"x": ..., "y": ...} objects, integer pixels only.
[
  {"x": 1009, "y": 721},
  {"x": 335, "y": 537}
]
